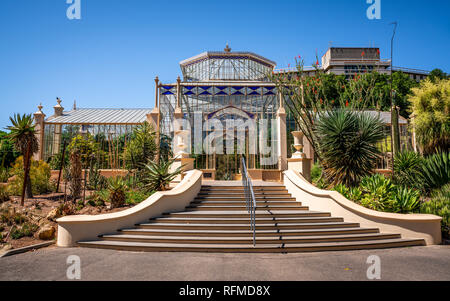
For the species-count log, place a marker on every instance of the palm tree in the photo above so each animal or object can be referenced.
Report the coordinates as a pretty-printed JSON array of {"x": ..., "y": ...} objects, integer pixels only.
[
  {"x": 347, "y": 144},
  {"x": 23, "y": 134}
]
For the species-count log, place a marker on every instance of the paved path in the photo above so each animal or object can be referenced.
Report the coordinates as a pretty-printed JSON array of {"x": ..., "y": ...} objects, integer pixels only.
[{"x": 416, "y": 263}]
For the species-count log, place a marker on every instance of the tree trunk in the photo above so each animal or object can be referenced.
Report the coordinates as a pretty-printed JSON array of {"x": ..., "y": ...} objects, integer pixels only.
[
  {"x": 395, "y": 134},
  {"x": 28, "y": 190},
  {"x": 26, "y": 185}
]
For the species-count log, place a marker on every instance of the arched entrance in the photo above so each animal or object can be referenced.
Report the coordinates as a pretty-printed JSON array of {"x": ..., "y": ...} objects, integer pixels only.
[{"x": 235, "y": 132}]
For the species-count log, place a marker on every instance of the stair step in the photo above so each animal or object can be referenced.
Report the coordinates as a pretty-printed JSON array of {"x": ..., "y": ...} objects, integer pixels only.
[
  {"x": 243, "y": 199},
  {"x": 242, "y": 194},
  {"x": 264, "y": 248},
  {"x": 244, "y": 220},
  {"x": 248, "y": 232},
  {"x": 245, "y": 214},
  {"x": 241, "y": 189},
  {"x": 248, "y": 240},
  {"x": 231, "y": 227},
  {"x": 243, "y": 203},
  {"x": 218, "y": 221},
  {"x": 242, "y": 208}
]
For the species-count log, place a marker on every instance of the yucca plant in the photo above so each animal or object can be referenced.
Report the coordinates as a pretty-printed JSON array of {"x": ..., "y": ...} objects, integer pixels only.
[
  {"x": 117, "y": 189},
  {"x": 347, "y": 144},
  {"x": 23, "y": 133},
  {"x": 436, "y": 171},
  {"x": 158, "y": 176}
]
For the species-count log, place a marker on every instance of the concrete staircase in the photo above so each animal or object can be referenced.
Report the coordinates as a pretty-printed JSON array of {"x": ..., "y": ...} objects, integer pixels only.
[{"x": 217, "y": 221}]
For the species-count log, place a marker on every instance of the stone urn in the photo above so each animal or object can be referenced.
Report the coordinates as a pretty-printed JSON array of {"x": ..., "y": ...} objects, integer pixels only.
[{"x": 298, "y": 145}]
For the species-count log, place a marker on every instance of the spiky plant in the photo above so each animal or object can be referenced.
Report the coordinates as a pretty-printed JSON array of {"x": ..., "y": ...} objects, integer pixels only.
[
  {"x": 117, "y": 188},
  {"x": 436, "y": 171},
  {"x": 347, "y": 144},
  {"x": 23, "y": 134},
  {"x": 406, "y": 199},
  {"x": 158, "y": 176},
  {"x": 407, "y": 169}
]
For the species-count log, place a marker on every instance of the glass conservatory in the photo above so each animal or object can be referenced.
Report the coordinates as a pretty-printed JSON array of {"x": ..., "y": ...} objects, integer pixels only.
[{"x": 230, "y": 92}]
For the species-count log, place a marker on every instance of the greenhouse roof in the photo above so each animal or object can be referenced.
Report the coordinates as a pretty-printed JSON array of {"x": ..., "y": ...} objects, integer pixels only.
[
  {"x": 101, "y": 116},
  {"x": 386, "y": 117},
  {"x": 227, "y": 55}
]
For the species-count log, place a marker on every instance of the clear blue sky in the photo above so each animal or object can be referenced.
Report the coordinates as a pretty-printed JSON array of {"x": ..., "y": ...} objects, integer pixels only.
[{"x": 110, "y": 57}]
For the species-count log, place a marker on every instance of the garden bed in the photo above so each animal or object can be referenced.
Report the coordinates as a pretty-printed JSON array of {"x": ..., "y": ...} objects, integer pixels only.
[{"x": 36, "y": 212}]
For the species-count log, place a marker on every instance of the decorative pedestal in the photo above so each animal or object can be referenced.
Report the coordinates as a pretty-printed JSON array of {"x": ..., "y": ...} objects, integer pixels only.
[
  {"x": 181, "y": 157},
  {"x": 299, "y": 162},
  {"x": 188, "y": 165},
  {"x": 302, "y": 166}
]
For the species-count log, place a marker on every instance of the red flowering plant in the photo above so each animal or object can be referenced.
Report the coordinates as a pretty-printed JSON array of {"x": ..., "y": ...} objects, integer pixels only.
[{"x": 313, "y": 94}]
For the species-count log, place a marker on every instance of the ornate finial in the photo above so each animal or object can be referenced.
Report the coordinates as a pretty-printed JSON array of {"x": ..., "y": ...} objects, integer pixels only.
[
  {"x": 74, "y": 104},
  {"x": 227, "y": 49},
  {"x": 40, "y": 107},
  {"x": 58, "y": 100}
]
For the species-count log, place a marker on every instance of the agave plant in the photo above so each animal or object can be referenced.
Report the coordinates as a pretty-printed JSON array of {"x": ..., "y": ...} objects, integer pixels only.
[
  {"x": 347, "y": 144},
  {"x": 23, "y": 134},
  {"x": 436, "y": 171},
  {"x": 378, "y": 192},
  {"x": 117, "y": 189},
  {"x": 158, "y": 176},
  {"x": 406, "y": 199}
]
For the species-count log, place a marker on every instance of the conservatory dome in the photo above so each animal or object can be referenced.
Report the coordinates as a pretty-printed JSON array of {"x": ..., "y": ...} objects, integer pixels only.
[{"x": 226, "y": 65}]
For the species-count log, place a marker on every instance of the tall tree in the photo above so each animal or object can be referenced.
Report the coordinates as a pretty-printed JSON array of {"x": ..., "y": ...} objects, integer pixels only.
[
  {"x": 431, "y": 112},
  {"x": 23, "y": 134}
]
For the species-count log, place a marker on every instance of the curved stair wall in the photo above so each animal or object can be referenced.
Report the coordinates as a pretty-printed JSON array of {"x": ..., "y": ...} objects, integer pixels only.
[
  {"x": 413, "y": 226},
  {"x": 86, "y": 227}
]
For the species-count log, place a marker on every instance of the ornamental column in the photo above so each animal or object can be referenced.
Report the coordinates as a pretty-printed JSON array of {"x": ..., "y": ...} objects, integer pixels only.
[
  {"x": 58, "y": 111},
  {"x": 180, "y": 138},
  {"x": 39, "y": 122},
  {"x": 281, "y": 128}
]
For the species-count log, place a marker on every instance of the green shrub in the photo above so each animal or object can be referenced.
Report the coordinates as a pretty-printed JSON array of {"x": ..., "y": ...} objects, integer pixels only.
[
  {"x": 316, "y": 173},
  {"x": 4, "y": 194},
  {"x": 39, "y": 174},
  {"x": 10, "y": 218},
  {"x": 141, "y": 148},
  {"x": 440, "y": 205},
  {"x": 26, "y": 230},
  {"x": 136, "y": 196},
  {"x": 96, "y": 180},
  {"x": 436, "y": 171},
  {"x": 353, "y": 193},
  {"x": 408, "y": 169},
  {"x": 4, "y": 175}
]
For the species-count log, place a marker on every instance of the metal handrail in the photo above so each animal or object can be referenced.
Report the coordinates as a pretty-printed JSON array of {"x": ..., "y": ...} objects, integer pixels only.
[{"x": 249, "y": 198}]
